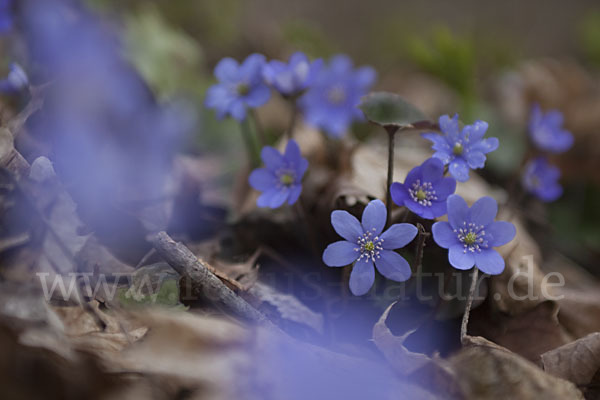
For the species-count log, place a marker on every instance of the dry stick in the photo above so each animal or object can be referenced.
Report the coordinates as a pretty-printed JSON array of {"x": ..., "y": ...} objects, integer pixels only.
[
  {"x": 204, "y": 282},
  {"x": 465, "y": 320}
]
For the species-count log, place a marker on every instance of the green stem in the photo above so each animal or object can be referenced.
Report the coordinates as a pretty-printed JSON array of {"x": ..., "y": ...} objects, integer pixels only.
[
  {"x": 293, "y": 118},
  {"x": 253, "y": 155},
  {"x": 260, "y": 133}
]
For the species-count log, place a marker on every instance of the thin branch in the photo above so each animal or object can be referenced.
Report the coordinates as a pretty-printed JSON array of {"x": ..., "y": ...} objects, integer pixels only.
[{"x": 204, "y": 282}]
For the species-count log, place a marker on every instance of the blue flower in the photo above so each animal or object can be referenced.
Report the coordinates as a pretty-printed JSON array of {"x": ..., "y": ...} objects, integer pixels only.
[
  {"x": 541, "y": 179},
  {"x": 294, "y": 77},
  {"x": 470, "y": 234},
  {"x": 281, "y": 179},
  {"x": 239, "y": 87},
  {"x": 546, "y": 131},
  {"x": 331, "y": 102},
  {"x": 15, "y": 81},
  {"x": 425, "y": 190},
  {"x": 365, "y": 244},
  {"x": 462, "y": 149},
  {"x": 6, "y": 18}
]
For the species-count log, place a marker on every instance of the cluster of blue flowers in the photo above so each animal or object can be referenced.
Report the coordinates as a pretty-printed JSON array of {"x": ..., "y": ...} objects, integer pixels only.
[
  {"x": 540, "y": 178},
  {"x": 469, "y": 236},
  {"x": 328, "y": 95}
]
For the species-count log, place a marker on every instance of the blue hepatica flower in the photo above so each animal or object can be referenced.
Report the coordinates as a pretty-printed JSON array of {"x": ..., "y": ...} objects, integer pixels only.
[
  {"x": 541, "y": 179},
  {"x": 365, "y": 244},
  {"x": 470, "y": 234},
  {"x": 15, "y": 81},
  {"x": 239, "y": 87},
  {"x": 425, "y": 190},
  {"x": 331, "y": 102},
  {"x": 462, "y": 149},
  {"x": 546, "y": 131},
  {"x": 294, "y": 77},
  {"x": 281, "y": 179}
]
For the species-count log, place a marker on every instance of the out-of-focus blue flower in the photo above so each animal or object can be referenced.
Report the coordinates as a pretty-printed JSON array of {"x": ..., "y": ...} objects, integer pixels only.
[
  {"x": 332, "y": 100},
  {"x": 294, "y": 77},
  {"x": 425, "y": 190},
  {"x": 15, "y": 81},
  {"x": 365, "y": 244},
  {"x": 281, "y": 179},
  {"x": 462, "y": 149},
  {"x": 470, "y": 234},
  {"x": 541, "y": 179},
  {"x": 240, "y": 87},
  {"x": 546, "y": 131},
  {"x": 112, "y": 143},
  {"x": 6, "y": 17}
]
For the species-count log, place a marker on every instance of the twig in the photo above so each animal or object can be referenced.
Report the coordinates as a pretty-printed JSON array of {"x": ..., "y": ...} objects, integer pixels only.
[
  {"x": 205, "y": 283},
  {"x": 465, "y": 320}
]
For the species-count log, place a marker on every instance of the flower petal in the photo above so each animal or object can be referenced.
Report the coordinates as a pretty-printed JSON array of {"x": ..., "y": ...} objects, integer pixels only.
[
  {"x": 340, "y": 254},
  {"x": 294, "y": 194},
  {"x": 444, "y": 235},
  {"x": 501, "y": 232},
  {"x": 432, "y": 170},
  {"x": 292, "y": 152},
  {"x": 486, "y": 145},
  {"x": 460, "y": 259},
  {"x": 489, "y": 261},
  {"x": 458, "y": 210},
  {"x": 262, "y": 179},
  {"x": 475, "y": 159},
  {"x": 272, "y": 158},
  {"x": 227, "y": 70},
  {"x": 459, "y": 170},
  {"x": 258, "y": 96},
  {"x": 398, "y": 193},
  {"x": 475, "y": 131},
  {"x": 449, "y": 126},
  {"x": 279, "y": 197},
  {"x": 362, "y": 276},
  {"x": 445, "y": 188},
  {"x": 398, "y": 235},
  {"x": 393, "y": 266},
  {"x": 346, "y": 225},
  {"x": 265, "y": 199},
  {"x": 439, "y": 142},
  {"x": 374, "y": 217},
  {"x": 483, "y": 211}
]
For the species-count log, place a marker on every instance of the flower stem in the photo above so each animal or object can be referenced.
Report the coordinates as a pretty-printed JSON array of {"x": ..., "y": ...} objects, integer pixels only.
[
  {"x": 260, "y": 133},
  {"x": 253, "y": 157},
  {"x": 293, "y": 118},
  {"x": 391, "y": 130},
  {"x": 465, "y": 320},
  {"x": 423, "y": 235}
]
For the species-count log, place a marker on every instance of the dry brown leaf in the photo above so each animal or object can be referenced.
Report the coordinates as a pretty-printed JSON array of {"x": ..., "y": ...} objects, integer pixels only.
[
  {"x": 403, "y": 360},
  {"x": 528, "y": 334},
  {"x": 577, "y": 361},
  {"x": 486, "y": 371}
]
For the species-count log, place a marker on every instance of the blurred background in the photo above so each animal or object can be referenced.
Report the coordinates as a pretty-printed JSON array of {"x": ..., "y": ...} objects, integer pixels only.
[{"x": 484, "y": 60}]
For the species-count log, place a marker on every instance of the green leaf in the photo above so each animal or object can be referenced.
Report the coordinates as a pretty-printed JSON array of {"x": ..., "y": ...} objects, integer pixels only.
[{"x": 392, "y": 111}]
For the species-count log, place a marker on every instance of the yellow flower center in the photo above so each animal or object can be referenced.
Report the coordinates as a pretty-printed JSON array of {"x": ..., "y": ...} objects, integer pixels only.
[
  {"x": 243, "y": 89},
  {"x": 336, "y": 95},
  {"x": 470, "y": 238},
  {"x": 286, "y": 179},
  {"x": 458, "y": 149},
  {"x": 369, "y": 246},
  {"x": 421, "y": 195}
]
